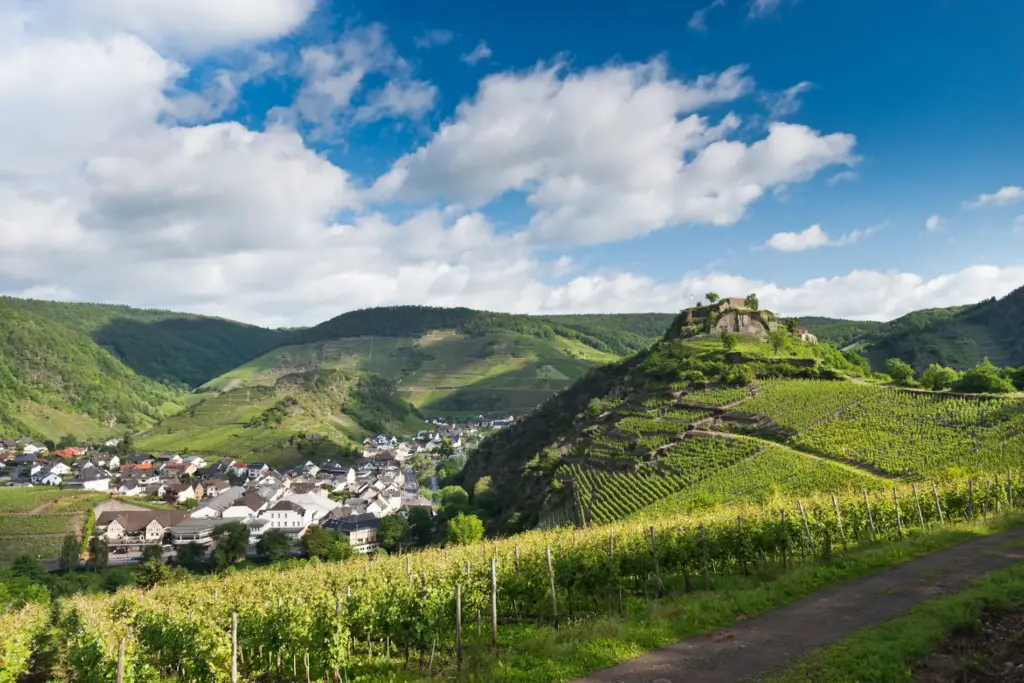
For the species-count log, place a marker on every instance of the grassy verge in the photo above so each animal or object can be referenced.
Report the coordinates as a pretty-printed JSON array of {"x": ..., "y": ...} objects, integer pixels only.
[
  {"x": 535, "y": 654},
  {"x": 888, "y": 651}
]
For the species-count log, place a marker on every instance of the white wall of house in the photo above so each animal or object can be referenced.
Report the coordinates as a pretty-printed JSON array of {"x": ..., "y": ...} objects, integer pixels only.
[{"x": 97, "y": 485}]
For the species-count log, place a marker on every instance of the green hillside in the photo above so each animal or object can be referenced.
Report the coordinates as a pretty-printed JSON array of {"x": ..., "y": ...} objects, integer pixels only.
[
  {"x": 837, "y": 331},
  {"x": 689, "y": 424},
  {"x": 442, "y": 371},
  {"x": 958, "y": 336},
  {"x": 54, "y": 381},
  {"x": 175, "y": 348},
  {"x": 314, "y": 414}
]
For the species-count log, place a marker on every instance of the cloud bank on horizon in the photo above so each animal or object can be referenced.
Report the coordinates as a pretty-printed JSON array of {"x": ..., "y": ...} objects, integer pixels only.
[{"x": 192, "y": 155}]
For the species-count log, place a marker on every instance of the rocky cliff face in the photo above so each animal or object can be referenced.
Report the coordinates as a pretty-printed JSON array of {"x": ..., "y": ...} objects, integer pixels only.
[{"x": 752, "y": 324}]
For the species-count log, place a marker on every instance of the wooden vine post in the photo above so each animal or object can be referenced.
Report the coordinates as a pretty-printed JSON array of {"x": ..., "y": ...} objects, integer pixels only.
[
  {"x": 234, "y": 647},
  {"x": 839, "y": 521},
  {"x": 611, "y": 575},
  {"x": 458, "y": 625},
  {"x": 970, "y": 499},
  {"x": 554, "y": 596},
  {"x": 657, "y": 568},
  {"x": 871, "y": 520},
  {"x": 899, "y": 518},
  {"x": 938, "y": 505},
  {"x": 704, "y": 558},
  {"x": 917, "y": 501},
  {"x": 120, "y": 660},
  {"x": 807, "y": 527},
  {"x": 1009, "y": 488},
  {"x": 494, "y": 603},
  {"x": 785, "y": 536}
]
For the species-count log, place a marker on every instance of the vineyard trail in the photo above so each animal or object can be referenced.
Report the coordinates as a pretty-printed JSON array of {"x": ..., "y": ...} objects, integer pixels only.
[{"x": 778, "y": 638}]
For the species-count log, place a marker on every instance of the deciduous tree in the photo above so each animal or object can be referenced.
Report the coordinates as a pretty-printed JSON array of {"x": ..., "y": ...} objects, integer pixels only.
[
  {"x": 464, "y": 529},
  {"x": 274, "y": 545},
  {"x": 393, "y": 532}
]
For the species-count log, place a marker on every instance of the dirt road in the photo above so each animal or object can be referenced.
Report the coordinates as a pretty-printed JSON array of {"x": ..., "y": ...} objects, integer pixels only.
[{"x": 772, "y": 640}]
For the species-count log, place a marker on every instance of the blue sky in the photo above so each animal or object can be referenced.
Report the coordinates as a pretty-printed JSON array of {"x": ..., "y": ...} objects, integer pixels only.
[{"x": 281, "y": 161}]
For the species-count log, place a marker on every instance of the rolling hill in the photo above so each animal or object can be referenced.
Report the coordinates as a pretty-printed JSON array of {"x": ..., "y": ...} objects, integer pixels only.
[
  {"x": 456, "y": 361},
  {"x": 54, "y": 381},
  {"x": 688, "y": 424},
  {"x": 174, "y": 348},
  {"x": 957, "y": 336}
]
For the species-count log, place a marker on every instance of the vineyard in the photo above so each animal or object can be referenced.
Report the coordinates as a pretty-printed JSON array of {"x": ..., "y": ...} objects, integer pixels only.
[
  {"x": 909, "y": 434},
  {"x": 379, "y": 618},
  {"x": 799, "y": 404},
  {"x": 606, "y": 496}
]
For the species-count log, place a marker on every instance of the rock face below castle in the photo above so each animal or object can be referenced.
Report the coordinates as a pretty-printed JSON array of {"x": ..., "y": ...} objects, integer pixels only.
[{"x": 750, "y": 324}]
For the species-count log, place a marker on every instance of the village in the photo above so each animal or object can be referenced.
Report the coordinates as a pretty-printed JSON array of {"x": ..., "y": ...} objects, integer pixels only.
[{"x": 172, "y": 499}]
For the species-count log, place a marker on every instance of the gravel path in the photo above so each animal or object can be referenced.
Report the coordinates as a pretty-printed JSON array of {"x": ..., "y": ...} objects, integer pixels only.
[{"x": 774, "y": 639}]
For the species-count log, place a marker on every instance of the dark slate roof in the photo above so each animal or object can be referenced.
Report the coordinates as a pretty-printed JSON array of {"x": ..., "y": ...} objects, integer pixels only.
[
  {"x": 288, "y": 505},
  {"x": 353, "y": 523},
  {"x": 253, "y": 501}
]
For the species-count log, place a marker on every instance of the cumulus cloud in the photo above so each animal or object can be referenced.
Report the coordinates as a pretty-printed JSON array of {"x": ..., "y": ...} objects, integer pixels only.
[
  {"x": 1002, "y": 197},
  {"x": 698, "y": 21},
  {"x": 609, "y": 153},
  {"x": 478, "y": 54},
  {"x": 813, "y": 238},
  {"x": 121, "y": 202},
  {"x": 192, "y": 26},
  {"x": 932, "y": 223},
  {"x": 433, "y": 38},
  {"x": 333, "y": 74}
]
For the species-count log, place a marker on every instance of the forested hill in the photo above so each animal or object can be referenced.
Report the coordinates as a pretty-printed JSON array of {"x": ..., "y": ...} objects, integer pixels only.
[
  {"x": 46, "y": 365},
  {"x": 617, "y": 334},
  {"x": 957, "y": 336},
  {"x": 176, "y": 348}
]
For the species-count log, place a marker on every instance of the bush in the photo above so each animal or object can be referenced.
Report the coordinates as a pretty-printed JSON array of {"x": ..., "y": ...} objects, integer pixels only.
[
  {"x": 938, "y": 378},
  {"x": 983, "y": 378},
  {"x": 900, "y": 371}
]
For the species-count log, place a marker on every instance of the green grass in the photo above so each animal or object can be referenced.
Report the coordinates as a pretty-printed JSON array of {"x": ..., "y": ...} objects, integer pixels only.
[
  {"x": 888, "y": 652},
  {"x": 537, "y": 655},
  {"x": 52, "y": 423}
]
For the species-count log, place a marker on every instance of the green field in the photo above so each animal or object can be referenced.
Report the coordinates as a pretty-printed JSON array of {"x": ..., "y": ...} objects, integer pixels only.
[
  {"x": 51, "y": 423},
  {"x": 441, "y": 372},
  {"x": 34, "y": 521}
]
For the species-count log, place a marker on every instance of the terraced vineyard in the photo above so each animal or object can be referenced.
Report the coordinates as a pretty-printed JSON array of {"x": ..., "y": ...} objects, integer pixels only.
[
  {"x": 56, "y": 513},
  {"x": 773, "y": 472},
  {"x": 796, "y": 404},
  {"x": 907, "y": 434},
  {"x": 605, "y": 496}
]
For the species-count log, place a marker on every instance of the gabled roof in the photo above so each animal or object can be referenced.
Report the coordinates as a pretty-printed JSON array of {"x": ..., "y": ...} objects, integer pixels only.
[
  {"x": 137, "y": 520},
  {"x": 353, "y": 523},
  {"x": 91, "y": 474},
  {"x": 288, "y": 505},
  {"x": 253, "y": 501}
]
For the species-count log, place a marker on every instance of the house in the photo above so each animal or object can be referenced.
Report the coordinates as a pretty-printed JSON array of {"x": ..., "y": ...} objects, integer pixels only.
[
  {"x": 146, "y": 526},
  {"x": 177, "y": 469},
  {"x": 60, "y": 469},
  {"x": 131, "y": 488},
  {"x": 255, "y": 469},
  {"x": 112, "y": 463},
  {"x": 139, "y": 459},
  {"x": 213, "y": 508},
  {"x": 90, "y": 479},
  {"x": 215, "y": 487},
  {"x": 30, "y": 447},
  {"x": 287, "y": 516},
  {"x": 193, "y": 531},
  {"x": 179, "y": 493},
  {"x": 196, "y": 461},
  {"x": 361, "y": 530},
  {"x": 246, "y": 506},
  {"x": 47, "y": 477},
  {"x": 111, "y": 443},
  {"x": 71, "y": 452},
  {"x": 314, "y": 489}
]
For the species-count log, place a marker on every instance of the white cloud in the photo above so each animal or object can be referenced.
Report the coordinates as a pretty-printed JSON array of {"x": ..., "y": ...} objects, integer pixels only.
[
  {"x": 609, "y": 153},
  {"x": 433, "y": 38},
  {"x": 785, "y": 103},
  {"x": 1002, "y": 197},
  {"x": 932, "y": 223},
  {"x": 192, "y": 26},
  {"x": 813, "y": 238},
  {"x": 843, "y": 176},
  {"x": 698, "y": 22},
  {"x": 333, "y": 74},
  {"x": 479, "y": 53}
]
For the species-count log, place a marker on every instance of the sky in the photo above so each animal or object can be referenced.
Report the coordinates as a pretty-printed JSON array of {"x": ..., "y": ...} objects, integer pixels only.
[{"x": 281, "y": 162}]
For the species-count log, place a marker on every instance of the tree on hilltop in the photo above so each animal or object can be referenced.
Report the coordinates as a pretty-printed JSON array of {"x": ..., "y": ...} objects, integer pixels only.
[
  {"x": 712, "y": 297},
  {"x": 751, "y": 302}
]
